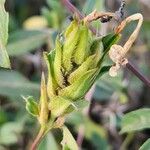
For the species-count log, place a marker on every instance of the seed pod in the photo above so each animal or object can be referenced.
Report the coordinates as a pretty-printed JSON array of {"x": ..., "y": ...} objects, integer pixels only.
[
  {"x": 88, "y": 64},
  {"x": 51, "y": 85},
  {"x": 58, "y": 105},
  {"x": 32, "y": 106},
  {"x": 70, "y": 44},
  {"x": 70, "y": 28},
  {"x": 81, "y": 50},
  {"x": 78, "y": 89},
  {"x": 57, "y": 63},
  {"x": 44, "y": 111}
]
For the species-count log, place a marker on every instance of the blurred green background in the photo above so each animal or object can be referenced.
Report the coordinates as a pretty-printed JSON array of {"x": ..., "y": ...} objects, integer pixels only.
[{"x": 33, "y": 26}]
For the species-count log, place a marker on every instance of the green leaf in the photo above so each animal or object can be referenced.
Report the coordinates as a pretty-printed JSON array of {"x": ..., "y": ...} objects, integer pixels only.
[
  {"x": 4, "y": 18},
  {"x": 108, "y": 41},
  {"x": 13, "y": 85},
  {"x": 23, "y": 41},
  {"x": 9, "y": 133},
  {"x": 93, "y": 132},
  {"x": 106, "y": 85},
  {"x": 88, "y": 7},
  {"x": 32, "y": 106},
  {"x": 136, "y": 120},
  {"x": 68, "y": 140},
  {"x": 103, "y": 70},
  {"x": 48, "y": 142},
  {"x": 146, "y": 145}
]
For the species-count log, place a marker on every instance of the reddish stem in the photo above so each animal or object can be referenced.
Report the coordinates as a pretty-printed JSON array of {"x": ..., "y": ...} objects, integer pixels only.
[{"x": 38, "y": 139}]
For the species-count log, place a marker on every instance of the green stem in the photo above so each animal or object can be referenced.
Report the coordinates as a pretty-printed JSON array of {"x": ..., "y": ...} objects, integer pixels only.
[{"x": 38, "y": 139}]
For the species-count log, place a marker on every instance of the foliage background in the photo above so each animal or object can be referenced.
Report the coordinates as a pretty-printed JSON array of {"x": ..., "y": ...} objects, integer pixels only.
[{"x": 112, "y": 96}]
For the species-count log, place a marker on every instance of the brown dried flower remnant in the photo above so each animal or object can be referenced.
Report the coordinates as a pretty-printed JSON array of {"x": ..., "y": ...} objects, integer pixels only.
[{"x": 117, "y": 53}]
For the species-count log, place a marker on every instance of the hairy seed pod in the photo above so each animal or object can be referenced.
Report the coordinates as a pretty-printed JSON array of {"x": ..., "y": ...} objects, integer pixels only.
[
  {"x": 87, "y": 65},
  {"x": 78, "y": 89},
  {"x": 58, "y": 62},
  {"x": 51, "y": 84},
  {"x": 81, "y": 50},
  {"x": 69, "y": 46}
]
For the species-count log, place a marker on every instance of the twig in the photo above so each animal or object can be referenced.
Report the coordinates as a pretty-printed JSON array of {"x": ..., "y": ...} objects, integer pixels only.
[
  {"x": 134, "y": 70},
  {"x": 38, "y": 139},
  {"x": 129, "y": 65}
]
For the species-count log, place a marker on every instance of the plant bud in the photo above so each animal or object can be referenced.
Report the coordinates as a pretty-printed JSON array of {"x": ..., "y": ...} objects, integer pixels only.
[{"x": 32, "y": 106}]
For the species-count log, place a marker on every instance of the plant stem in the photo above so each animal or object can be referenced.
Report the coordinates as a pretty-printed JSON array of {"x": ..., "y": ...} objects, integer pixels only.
[
  {"x": 132, "y": 68},
  {"x": 38, "y": 139}
]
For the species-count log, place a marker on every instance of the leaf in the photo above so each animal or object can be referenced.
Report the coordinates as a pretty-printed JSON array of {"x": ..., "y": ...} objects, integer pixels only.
[
  {"x": 4, "y": 18},
  {"x": 106, "y": 86},
  {"x": 88, "y": 7},
  {"x": 136, "y": 120},
  {"x": 9, "y": 133},
  {"x": 146, "y": 145},
  {"x": 93, "y": 132},
  {"x": 48, "y": 142},
  {"x": 13, "y": 85},
  {"x": 108, "y": 41},
  {"x": 32, "y": 106},
  {"x": 103, "y": 70},
  {"x": 68, "y": 140},
  {"x": 23, "y": 41}
]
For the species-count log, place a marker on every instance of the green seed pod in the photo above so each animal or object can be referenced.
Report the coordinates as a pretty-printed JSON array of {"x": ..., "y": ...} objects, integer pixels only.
[
  {"x": 51, "y": 85},
  {"x": 88, "y": 64},
  {"x": 81, "y": 50},
  {"x": 57, "y": 63},
  {"x": 58, "y": 106},
  {"x": 32, "y": 106},
  {"x": 78, "y": 89},
  {"x": 70, "y": 28},
  {"x": 44, "y": 111},
  {"x": 70, "y": 44}
]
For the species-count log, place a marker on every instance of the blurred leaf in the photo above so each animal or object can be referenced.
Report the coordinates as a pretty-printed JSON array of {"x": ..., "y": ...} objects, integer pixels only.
[
  {"x": 23, "y": 41},
  {"x": 48, "y": 143},
  {"x": 36, "y": 22},
  {"x": 2, "y": 148},
  {"x": 32, "y": 106},
  {"x": 136, "y": 120},
  {"x": 3, "y": 117},
  {"x": 93, "y": 132},
  {"x": 4, "y": 18},
  {"x": 9, "y": 133},
  {"x": 106, "y": 86},
  {"x": 13, "y": 85},
  {"x": 90, "y": 5},
  {"x": 68, "y": 140},
  {"x": 146, "y": 145}
]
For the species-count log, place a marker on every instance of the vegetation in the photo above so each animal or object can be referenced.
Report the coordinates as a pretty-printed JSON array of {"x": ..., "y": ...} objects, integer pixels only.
[{"x": 74, "y": 62}]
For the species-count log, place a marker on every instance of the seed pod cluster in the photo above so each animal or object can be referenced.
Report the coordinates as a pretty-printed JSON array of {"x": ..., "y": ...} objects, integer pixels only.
[{"x": 73, "y": 66}]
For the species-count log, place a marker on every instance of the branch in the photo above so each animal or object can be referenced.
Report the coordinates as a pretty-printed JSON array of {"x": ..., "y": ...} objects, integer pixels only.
[{"x": 71, "y": 8}]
